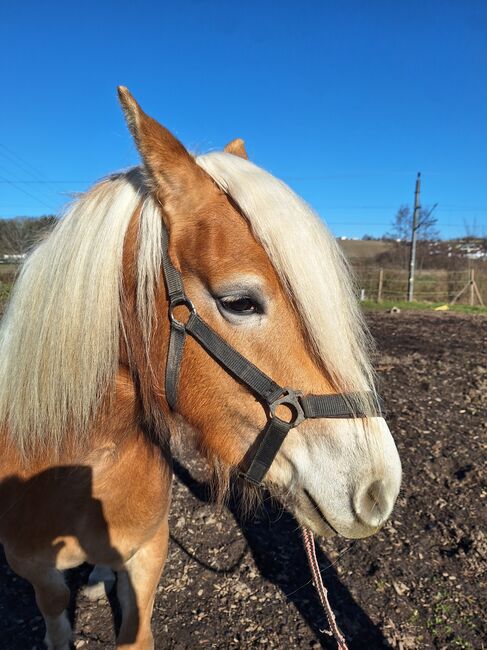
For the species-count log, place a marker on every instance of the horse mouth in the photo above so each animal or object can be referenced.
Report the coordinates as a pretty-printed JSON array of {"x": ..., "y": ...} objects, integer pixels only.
[{"x": 316, "y": 512}]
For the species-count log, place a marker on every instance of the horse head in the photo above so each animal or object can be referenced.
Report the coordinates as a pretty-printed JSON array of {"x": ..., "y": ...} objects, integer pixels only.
[{"x": 264, "y": 274}]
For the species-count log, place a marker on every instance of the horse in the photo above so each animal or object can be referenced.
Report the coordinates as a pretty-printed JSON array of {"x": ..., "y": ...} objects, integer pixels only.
[{"x": 101, "y": 370}]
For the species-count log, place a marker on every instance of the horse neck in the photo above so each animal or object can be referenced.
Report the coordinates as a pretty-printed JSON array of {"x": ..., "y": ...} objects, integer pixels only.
[{"x": 144, "y": 360}]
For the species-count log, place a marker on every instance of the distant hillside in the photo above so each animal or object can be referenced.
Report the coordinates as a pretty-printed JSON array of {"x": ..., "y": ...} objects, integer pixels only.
[
  {"x": 449, "y": 254},
  {"x": 359, "y": 249}
]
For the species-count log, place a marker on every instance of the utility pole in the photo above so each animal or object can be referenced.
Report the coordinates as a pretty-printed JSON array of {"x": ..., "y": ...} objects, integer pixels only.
[{"x": 412, "y": 254}]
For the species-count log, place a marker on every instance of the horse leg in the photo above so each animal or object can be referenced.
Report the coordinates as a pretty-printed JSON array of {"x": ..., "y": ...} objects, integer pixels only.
[
  {"x": 136, "y": 590},
  {"x": 100, "y": 583},
  {"x": 52, "y": 597}
]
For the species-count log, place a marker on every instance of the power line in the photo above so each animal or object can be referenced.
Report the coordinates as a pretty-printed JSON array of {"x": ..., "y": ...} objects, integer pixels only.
[
  {"x": 46, "y": 182},
  {"x": 385, "y": 225},
  {"x": 445, "y": 208},
  {"x": 32, "y": 196},
  {"x": 395, "y": 207},
  {"x": 377, "y": 173},
  {"x": 38, "y": 194},
  {"x": 22, "y": 163},
  {"x": 25, "y": 166}
]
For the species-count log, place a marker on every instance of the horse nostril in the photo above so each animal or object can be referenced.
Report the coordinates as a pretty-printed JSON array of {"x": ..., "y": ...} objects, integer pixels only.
[{"x": 373, "y": 504}]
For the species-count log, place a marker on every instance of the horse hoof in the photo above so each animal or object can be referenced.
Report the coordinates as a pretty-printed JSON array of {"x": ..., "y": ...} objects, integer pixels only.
[{"x": 94, "y": 592}]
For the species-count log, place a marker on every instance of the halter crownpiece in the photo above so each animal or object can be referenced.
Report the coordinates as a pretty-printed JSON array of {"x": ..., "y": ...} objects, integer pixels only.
[{"x": 270, "y": 394}]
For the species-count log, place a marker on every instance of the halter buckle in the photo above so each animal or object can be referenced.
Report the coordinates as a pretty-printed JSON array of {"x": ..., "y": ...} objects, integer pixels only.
[
  {"x": 289, "y": 398},
  {"x": 177, "y": 302}
]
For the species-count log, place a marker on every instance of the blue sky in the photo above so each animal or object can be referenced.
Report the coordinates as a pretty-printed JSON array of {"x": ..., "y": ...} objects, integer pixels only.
[{"x": 345, "y": 101}]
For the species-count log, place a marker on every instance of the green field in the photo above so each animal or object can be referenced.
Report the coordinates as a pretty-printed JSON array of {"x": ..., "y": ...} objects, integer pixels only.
[{"x": 372, "y": 305}]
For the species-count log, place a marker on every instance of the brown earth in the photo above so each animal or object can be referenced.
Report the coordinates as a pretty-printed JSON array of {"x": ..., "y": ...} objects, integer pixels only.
[{"x": 419, "y": 583}]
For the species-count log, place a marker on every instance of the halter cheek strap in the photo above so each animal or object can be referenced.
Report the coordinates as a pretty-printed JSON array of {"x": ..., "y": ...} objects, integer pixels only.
[{"x": 269, "y": 393}]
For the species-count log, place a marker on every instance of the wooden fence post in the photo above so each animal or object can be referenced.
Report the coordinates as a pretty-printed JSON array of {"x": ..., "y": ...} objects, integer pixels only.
[
  {"x": 379, "y": 288},
  {"x": 474, "y": 291}
]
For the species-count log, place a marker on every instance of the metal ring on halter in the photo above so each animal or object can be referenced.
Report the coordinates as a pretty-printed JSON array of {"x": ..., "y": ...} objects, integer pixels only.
[
  {"x": 289, "y": 398},
  {"x": 177, "y": 302}
]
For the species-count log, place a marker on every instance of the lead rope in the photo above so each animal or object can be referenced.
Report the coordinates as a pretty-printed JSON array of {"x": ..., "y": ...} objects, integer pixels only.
[{"x": 309, "y": 545}]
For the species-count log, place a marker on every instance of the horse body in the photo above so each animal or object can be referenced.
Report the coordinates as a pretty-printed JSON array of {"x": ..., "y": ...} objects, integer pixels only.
[
  {"x": 85, "y": 460},
  {"x": 108, "y": 506}
]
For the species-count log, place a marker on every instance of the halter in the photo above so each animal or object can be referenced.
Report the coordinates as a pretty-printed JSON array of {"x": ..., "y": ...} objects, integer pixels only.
[{"x": 270, "y": 394}]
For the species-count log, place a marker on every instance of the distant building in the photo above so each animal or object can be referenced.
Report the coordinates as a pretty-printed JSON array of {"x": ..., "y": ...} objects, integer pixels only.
[{"x": 12, "y": 258}]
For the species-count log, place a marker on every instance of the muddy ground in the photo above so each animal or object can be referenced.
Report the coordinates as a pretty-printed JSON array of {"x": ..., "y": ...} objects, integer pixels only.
[{"x": 419, "y": 583}]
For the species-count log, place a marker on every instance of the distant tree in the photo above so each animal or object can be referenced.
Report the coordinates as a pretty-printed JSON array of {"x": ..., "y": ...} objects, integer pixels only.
[
  {"x": 473, "y": 230},
  {"x": 368, "y": 238},
  {"x": 19, "y": 235},
  {"x": 402, "y": 225},
  {"x": 401, "y": 232}
]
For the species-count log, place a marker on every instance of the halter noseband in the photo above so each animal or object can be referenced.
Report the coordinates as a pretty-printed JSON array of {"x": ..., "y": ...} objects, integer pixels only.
[{"x": 272, "y": 395}]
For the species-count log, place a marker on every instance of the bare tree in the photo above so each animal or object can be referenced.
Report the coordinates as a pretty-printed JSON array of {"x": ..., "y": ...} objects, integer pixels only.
[
  {"x": 401, "y": 231},
  {"x": 18, "y": 236}
]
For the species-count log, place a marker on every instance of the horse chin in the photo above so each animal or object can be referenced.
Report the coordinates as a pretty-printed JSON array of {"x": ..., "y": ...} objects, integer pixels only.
[
  {"x": 310, "y": 515},
  {"x": 319, "y": 527}
]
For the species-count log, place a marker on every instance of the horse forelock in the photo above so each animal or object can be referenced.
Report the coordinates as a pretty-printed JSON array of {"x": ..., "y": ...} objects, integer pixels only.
[{"x": 308, "y": 261}]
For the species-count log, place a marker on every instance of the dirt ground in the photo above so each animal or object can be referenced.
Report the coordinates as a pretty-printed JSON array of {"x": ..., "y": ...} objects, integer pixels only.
[{"x": 419, "y": 583}]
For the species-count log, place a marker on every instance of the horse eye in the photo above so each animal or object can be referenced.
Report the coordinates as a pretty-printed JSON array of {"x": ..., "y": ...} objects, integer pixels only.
[{"x": 244, "y": 305}]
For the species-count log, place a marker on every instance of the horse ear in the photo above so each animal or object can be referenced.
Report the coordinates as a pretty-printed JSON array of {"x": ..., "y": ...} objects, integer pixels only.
[
  {"x": 170, "y": 168},
  {"x": 237, "y": 147}
]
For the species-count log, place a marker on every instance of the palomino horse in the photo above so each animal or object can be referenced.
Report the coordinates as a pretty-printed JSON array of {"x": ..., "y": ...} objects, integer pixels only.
[{"x": 85, "y": 446}]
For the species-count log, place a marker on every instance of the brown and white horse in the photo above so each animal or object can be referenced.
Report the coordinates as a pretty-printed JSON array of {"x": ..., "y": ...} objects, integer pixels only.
[{"x": 85, "y": 444}]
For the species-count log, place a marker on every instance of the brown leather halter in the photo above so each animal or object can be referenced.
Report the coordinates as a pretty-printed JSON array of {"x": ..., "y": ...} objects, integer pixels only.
[{"x": 270, "y": 394}]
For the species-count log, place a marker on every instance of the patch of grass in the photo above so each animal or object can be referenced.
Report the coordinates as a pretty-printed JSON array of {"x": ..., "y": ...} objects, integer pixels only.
[
  {"x": 438, "y": 623},
  {"x": 444, "y": 614},
  {"x": 414, "y": 617},
  {"x": 5, "y": 288},
  {"x": 372, "y": 305},
  {"x": 380, "y": 585},
  {"x": 458, "y": 642}
]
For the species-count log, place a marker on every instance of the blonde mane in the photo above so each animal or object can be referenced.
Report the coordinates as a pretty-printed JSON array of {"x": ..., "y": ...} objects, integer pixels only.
[
  {"x": 59, "y": 338},
  {"x": 309, "y": 262}
]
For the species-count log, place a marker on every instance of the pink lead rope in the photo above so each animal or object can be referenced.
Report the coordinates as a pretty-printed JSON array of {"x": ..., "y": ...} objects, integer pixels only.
[{"x": 309, "y": 545}]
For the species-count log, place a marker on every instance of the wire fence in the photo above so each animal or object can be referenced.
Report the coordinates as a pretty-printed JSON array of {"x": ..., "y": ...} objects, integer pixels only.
[{"x": 380, "y": 284}]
